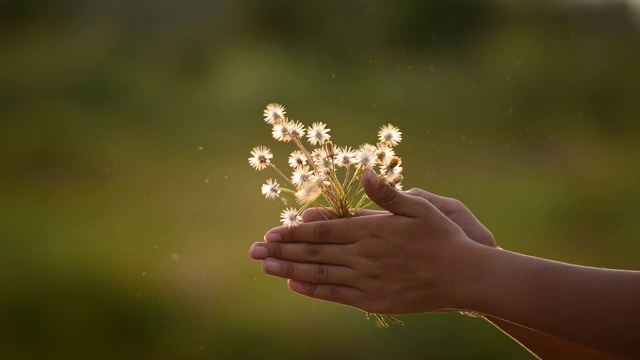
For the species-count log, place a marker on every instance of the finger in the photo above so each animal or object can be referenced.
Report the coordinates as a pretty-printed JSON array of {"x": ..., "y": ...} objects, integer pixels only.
[
  {"x": 316, "y": 273},
  {"x": 316, "y": 214},
  {"x": 445, "y": 204},
  {"x": 458, "y": 213},
  {"x": 338, "y": 231},
  {"x": 301, "y": 252},
  {"x": 393, "y": 200},
  {"x": 320, "y": 214},
  {"x": 330, "y": 292}
]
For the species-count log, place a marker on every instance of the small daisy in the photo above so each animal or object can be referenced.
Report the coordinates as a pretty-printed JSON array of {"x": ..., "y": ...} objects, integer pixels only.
[
  {"x": 317, "y": 134},
  {"x": 390, "y": 134},
  {"x": 301, "y": 176},
  {"x": 318, "y": 156},
  {"x": 295, "y": 129},
  {"x": 385, "y": 153},
  {"x": 261, "y": 157},
  {"x": 297, "y": 159},
  {"x": 345, "y": 156},
  {"x": 271, "y": 189},
  {"x": 321, "y": 160},
  {"x": 280, "y": 132},
  {"x": 274, "y": 113},
  {"x": 290, "y": 217},
  {"x": 287, "y": 130},
  {"x": 311, "y": 191},
  {"x": 366, "y": 155}
]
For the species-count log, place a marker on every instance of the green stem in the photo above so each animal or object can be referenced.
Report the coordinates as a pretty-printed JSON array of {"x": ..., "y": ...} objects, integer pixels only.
[
  {"x": 289, "y": 191},
  {"x": 359, "y": 205},
  {"x": 346, "y": 177},
  {"x": 281, "y": 174},
  {"x": 354, "y": 178}
]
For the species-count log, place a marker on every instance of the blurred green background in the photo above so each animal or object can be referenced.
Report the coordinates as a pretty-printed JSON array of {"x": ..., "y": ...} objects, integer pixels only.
[{"x": 127, "y": 205}]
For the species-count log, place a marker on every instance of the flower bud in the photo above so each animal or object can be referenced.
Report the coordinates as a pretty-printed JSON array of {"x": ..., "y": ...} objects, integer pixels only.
[
  {"x": 331, "y": 151},
  {"x": 395, "y": 161}
]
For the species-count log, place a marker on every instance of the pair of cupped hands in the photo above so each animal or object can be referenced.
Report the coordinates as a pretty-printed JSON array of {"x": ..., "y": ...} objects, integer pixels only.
[{"x": 414, "y": 256}]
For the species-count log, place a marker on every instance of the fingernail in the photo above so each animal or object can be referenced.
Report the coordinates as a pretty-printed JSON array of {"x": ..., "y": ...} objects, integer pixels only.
[
  {"x": 258, "y": 251},
  {"x": 272, "y": 236},
  {"x": 373, "y": 179},
  {"x": 271, "y": 266}
]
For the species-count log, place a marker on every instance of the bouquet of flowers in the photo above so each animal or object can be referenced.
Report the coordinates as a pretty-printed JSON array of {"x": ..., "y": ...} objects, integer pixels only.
[{"x": 326, "y": 176}]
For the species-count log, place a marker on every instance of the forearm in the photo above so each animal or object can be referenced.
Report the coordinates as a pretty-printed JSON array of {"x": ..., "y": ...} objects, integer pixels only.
[
  {"x": 545, "y": 346},
  {"x": 589, "y": 306}
]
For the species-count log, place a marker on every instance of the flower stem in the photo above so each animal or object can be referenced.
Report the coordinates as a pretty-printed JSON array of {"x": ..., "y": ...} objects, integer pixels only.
[
  {"x": 281, "y": 174},
  {"x": 305, "y": 152}
]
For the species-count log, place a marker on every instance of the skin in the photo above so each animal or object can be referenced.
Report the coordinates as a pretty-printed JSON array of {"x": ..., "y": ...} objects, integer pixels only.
[{"x": 428, "y": 253}]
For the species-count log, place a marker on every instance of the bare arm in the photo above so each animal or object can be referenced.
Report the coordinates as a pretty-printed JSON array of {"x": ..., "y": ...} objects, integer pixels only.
[
  {"x": 589, "y": 306},
  {"x": 545, "y": 346},
  {"x": 540, "y": 344},
  {"x": 364, "y": 262}
]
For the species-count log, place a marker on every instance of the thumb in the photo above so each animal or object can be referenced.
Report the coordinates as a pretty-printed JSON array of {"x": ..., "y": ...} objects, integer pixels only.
[{"x": 392, "y": 200}]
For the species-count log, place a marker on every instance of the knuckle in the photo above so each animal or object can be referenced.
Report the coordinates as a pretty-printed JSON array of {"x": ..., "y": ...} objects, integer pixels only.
[
  {"x": 457, "y": 204},
  {"x": 334, "y": 292},
  {"x": 288, "y": 270},
  {"x": 312, "y": 252},
  {"x": 389, "y": 194},
  {"x": 276, "y": 250},
  {"x": 456, "y": 208},
  {"x": 313, "y": 290},
  {"x": 415, "y": 192},
  {"x": 322, "y": 232},
  {"x": 321, "y": 273}
]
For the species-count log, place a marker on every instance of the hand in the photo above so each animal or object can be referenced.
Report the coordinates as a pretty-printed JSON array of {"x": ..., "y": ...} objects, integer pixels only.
[
  {"x": 412, "y": 259},
  {"x": 454, "y": 209}
]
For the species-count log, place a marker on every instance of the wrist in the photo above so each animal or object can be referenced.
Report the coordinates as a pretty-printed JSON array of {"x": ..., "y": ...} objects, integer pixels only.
[{"x": 474, "y": 279}]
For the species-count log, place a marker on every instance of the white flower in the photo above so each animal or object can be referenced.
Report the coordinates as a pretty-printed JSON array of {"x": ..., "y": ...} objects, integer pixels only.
[
  {"x": 261, "y": 158},
  {"x": 395, "y": 182},
  {"x": 287, "y": 130},
  {"x": 271, "y": 189},
  {"x": 385, "y": 153},
  {"x": 301, "y": 175},
  {"x": 315, "y": 177},
  {"x": 317, "y": 134},
  {"x": 345, "y": 156},
  {"x": 274, "y": 113},
  {"x": 391, "y": 169},
  {"x": 321, "y": 160},
  {"x": 391, "y": 172},
  {"x": 297, "y": 159},
  {"x": 366, "y": 155},
  {"x": 318, "y": 155},
  {"x": 295, "y": 129},
  {"x": 390, "y": 134},
  {"x": 280, "y": 132},
  {"x": 290, "y": 217},
  {"x": 311, "y": 191}
]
